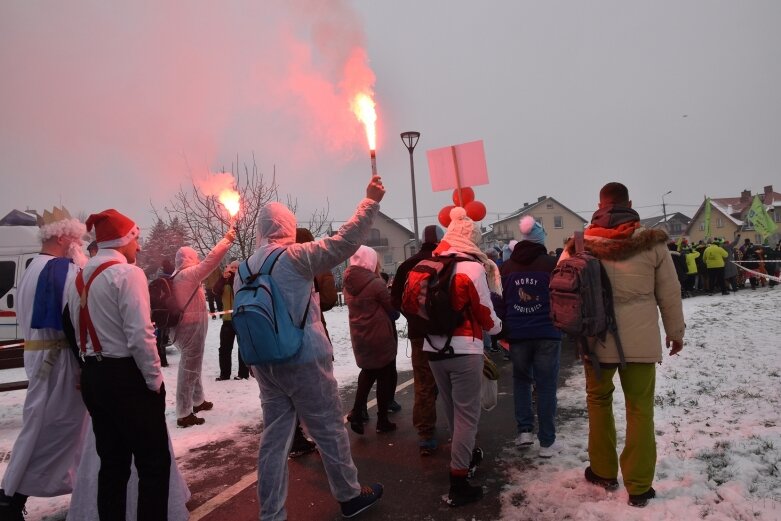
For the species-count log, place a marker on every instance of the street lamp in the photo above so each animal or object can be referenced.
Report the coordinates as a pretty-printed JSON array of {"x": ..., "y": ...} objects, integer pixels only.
[
  {"x": 664, "y": 208},
  {"x": 410, "y": 139}
]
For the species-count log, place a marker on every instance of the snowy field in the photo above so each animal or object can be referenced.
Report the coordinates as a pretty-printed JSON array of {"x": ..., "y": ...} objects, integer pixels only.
[
  {"x": 718, "y": 426},
  {"x": 718, "y": 421}
]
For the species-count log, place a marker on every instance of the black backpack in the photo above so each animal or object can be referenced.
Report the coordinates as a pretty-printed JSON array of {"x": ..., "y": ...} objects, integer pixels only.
[
  {"x": 166, "y": 312},
  {"x": 426, "y": 299},
  {"x": 581, "y": 301}
]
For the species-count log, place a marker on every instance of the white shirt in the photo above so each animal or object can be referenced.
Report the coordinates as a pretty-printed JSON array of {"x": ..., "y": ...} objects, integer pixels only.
[{"x": 118, "y": 304}]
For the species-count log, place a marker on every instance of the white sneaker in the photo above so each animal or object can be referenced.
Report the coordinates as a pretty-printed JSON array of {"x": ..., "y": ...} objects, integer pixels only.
[
  {"x": 524, "y": 440},
  {"x": 549, "y": 452}
]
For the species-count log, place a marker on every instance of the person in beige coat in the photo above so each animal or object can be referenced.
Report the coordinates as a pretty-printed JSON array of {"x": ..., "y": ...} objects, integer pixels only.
[{"x": 645, "y": 285}]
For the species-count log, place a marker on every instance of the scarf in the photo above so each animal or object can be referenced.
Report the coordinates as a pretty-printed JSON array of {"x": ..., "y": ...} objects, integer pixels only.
[
  {"x": 47, "y": 306},
  {"x": 470, "y": 248}
]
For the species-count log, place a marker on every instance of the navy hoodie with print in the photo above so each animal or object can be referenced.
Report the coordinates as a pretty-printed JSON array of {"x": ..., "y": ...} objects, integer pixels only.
[{"x": 525, "y": 279}]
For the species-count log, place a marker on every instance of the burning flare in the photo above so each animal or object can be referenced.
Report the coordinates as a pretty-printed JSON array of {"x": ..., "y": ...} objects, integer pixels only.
[
  {"x": 363, "y": 108},
  {"x": 230, "y": 200}
]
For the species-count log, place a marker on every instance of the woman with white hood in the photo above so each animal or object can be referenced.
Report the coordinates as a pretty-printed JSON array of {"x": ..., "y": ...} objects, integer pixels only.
[
  {"x": 372, "y": 335},
  {"x": 190, "y": 334}
]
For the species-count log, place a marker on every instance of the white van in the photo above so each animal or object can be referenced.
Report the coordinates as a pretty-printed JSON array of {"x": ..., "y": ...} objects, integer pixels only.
[{"x": 18, "y": 246}]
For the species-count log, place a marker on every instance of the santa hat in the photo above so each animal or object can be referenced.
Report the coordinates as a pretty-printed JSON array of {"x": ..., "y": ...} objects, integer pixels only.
[
  {"x": 531, "y": 230},
  {"x": 112, "y": 229}
]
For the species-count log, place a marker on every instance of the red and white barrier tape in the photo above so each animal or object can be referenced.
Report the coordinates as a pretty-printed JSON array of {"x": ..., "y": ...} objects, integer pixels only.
[{"x": 758, "y": 274}]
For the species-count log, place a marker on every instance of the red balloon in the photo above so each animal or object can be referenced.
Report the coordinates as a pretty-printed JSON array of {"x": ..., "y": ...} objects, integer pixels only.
[
  {"x": 444, "y": 215},
  {"x": 467, "y": 196},
  {"x": 475, "y": 210}
]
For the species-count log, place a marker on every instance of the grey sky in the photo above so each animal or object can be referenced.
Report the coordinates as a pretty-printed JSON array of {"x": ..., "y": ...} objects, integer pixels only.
[{"x": 114, "y": 105}]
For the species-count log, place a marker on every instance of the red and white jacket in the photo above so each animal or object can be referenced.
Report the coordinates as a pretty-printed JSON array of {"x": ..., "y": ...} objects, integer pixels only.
[{"x": 469, "y": 286}]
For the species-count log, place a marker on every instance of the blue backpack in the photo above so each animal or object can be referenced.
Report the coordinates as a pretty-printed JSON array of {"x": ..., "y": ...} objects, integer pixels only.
[{"x": 264, "y": 328}]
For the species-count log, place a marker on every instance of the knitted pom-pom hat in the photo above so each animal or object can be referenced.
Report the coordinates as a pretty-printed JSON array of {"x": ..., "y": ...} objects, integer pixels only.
[{"x": 531, "y": 230}]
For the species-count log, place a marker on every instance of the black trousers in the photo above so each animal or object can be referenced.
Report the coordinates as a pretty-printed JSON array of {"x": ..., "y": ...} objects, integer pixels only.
[
  {"x": 227, "y": 336},
  {"x": 129, "y": 421},
  {"x": 215, "y": 302},
  {"x": 386, "y": 388},
  {"x": 716, "y": 276}
]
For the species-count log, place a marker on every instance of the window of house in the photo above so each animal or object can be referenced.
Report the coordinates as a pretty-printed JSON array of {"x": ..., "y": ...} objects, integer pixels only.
[
  {"x": 558, "y": 221},
  {"x": 549, "y": 206},
  {"x": 702, "y": 226},
  {"x": 719, "y": 223},
  {"x": 387, "y": 258},
  {"x": 675, "y": 227},
  {"x": 374, "y": 235},
  {"x": 777, "y": 216},
  {"x": 539, "y": 220}
]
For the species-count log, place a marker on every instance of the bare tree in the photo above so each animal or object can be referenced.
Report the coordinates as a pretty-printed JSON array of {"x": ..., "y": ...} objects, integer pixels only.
[{"x": 206, "y": 221}]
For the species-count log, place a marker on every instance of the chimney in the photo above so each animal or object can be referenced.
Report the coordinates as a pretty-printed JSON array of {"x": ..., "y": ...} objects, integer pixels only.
[
  {"x": 543, "y": 197},
  {"x": 768, "y": 195},
  {"x": 745, "y": 196}
]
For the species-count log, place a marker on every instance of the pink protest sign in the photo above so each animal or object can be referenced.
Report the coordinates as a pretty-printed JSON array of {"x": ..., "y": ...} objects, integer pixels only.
[{"x": 457, "y": 166}]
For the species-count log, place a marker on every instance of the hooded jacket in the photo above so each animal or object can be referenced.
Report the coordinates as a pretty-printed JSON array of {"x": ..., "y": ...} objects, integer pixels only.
[
  {"x": 644, "y": 284},
  {"x": 714, "y": 256},
  {"x": 526, "y": 298},
  {"x": 295, "y": 269},
  {"x": 188, "y": 280},
  {"x": 369, "y": 305},
  {"x": 691, "y": 262}
]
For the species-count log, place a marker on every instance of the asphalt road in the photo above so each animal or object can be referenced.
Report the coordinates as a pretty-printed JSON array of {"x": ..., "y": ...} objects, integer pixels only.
[{"x": 414, "y": 486}]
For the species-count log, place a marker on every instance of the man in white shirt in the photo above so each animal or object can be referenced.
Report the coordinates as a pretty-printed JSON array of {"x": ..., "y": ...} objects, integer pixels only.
[
  {"x": 121, "y": 382},
  {"x": 46, "y": 454}
]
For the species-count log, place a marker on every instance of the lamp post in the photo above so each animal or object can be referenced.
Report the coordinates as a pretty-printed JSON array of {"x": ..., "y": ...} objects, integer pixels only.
[
  {"x": 664, "y": 209},
  {"x": 410, "y": 139}
]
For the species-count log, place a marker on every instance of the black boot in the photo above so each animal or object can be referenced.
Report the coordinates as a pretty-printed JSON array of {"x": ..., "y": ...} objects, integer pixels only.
[
  {"x": 462, "y": 492},
  {"x": 12, "y": 508},
  {"x": 383, "y": 424},
  {"x": 301, "y": 444}
]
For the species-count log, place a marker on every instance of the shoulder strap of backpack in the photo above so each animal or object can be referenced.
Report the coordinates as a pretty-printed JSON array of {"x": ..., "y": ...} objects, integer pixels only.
[
  {"x": 273, "y": 256},
  {"x": 245, "y": 272},
  {"x": 610, "y": 313}
]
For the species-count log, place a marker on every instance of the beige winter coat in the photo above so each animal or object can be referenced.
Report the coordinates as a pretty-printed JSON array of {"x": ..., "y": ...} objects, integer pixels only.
[{"x": 644, "y": 283}]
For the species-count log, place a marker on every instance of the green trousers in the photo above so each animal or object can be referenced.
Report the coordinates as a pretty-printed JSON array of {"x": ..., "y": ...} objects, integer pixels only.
[{"x": 638, "y": 459}]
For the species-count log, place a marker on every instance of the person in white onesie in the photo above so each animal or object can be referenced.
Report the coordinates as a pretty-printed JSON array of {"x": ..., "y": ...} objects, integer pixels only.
[{"x": 190, "y": 333}]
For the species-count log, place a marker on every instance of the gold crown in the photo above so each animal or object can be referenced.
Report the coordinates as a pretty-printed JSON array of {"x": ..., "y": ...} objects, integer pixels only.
[{"x": 57, "y": 214}]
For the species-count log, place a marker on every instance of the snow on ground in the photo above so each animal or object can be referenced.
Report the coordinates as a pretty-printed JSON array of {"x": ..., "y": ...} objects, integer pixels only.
[
  {"x": 718, "y": 422},
  {"x": 718, "y": 426}
]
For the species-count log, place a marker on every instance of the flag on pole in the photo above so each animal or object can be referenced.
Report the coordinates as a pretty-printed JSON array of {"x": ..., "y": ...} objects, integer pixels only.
[
  {"x": 760, "y": 220},
  {"x": 707, "y": 217}
]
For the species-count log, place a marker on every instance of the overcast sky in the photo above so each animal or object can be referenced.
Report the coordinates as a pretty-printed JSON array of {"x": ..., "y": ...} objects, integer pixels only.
[{"x": 115, "y": 105}]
